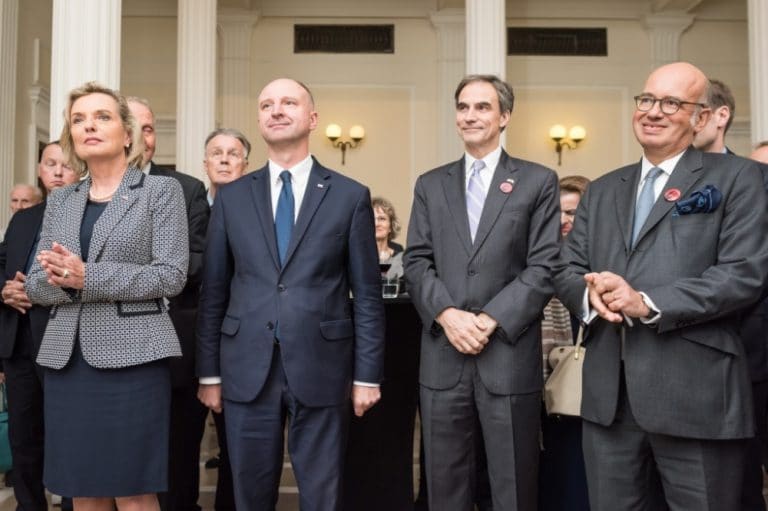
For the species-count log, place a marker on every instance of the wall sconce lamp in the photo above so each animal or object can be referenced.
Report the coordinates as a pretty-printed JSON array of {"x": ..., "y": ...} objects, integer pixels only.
[
  {"x": 356, "y": 133},
  {"x": 558, "y": 134}
]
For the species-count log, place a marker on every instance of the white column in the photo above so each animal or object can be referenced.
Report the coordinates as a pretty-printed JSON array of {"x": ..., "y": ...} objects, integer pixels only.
[
  {"x": 664, "y": 31},
  {"x": 451, "y": 64},
  {"x": 757, "y": 17},
  {"x": 196, "y": 82},
  {"x": 9, "y": 17},
  {"x": 486, "y": 37},
  {"x": 236, "y": 29},
  {"x": 85, "y": 46}
]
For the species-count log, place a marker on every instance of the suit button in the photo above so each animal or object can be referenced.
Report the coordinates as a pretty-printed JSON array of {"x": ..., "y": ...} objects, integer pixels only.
[
  {"x": 270, "y": 326},
  {"x": 281, "y": 287}
]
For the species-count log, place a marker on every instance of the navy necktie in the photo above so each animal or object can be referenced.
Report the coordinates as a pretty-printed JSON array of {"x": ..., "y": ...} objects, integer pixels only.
[
  {"x": 645, "y": 202},
  {"x": 284, "y": 216}
]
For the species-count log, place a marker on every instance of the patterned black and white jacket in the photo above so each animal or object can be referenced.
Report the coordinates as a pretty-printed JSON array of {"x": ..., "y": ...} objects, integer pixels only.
[{"x": 137, "y": 257}]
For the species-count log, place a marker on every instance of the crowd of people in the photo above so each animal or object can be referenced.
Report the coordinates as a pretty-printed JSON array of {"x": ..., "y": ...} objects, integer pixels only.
[{"x": 135, "y": 301}]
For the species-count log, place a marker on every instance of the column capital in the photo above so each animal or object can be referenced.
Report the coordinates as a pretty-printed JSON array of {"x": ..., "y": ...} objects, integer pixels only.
[
  {"x": 665, "y": 30},
  {"x": 228, "y": 19},
  {"x": 445, "y": 18}
]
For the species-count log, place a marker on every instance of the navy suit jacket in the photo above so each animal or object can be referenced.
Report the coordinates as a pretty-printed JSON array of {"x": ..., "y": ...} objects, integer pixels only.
[
  {"x": 327, "y": 340},
  {"x": 15, "y": 250}
]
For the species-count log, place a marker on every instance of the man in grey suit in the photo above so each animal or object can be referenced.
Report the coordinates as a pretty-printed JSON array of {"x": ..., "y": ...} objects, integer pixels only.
[
  {"x": 666, "y": 253},
  {"x": 482, "y": 241}
]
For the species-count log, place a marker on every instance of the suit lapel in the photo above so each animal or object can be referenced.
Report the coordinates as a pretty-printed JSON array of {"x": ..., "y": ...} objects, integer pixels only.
[
  {"x": 495, "y": 200},
  {"x": 262, "y": 201},
  {"x": 683, "y": 178},
  {"x": 318, "y": 185},
  {"x": 124, "y": 197},
  {"x": 455, "y": 196},
  {"x": 625, "y": 203}
]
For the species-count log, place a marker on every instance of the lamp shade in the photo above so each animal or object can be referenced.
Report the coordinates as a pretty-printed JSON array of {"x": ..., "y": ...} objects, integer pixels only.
[
  {"x": 333, "y": 131},
  {"x": 557, "y": 132},
  {"x": 577, "y": 133},
  {"x": 356, "y": 132}
]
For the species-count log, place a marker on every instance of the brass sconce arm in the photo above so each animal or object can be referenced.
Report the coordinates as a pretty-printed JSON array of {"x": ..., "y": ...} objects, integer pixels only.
[{"x": 356, "y": 135}]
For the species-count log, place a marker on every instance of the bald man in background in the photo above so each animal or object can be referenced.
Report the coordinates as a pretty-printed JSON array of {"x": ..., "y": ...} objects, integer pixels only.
[
  {"x": 187, "y": 414},
  {"x": 24, "y": 196}
]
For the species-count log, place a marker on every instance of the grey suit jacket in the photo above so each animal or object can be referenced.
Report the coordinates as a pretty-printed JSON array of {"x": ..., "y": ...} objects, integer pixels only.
[
  {"x": 505, "y": 273},
  {"x": 138, "y": 255},
  {"x": 686, "y": 376}
]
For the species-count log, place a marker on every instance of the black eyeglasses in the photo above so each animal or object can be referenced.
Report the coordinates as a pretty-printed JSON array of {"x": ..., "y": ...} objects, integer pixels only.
[{"x": 668, "y": 105}]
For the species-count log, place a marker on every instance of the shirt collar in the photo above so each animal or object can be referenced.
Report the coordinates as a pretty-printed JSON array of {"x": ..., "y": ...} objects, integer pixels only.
[
  {"x": 299, "y": 172},
  {"x": 147, "y": 167},
  {"x": 667, "y": 166},
  {"x": 491, "y": 160}
]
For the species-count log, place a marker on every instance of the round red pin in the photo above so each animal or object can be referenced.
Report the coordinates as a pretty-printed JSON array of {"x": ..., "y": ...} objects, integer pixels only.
[
  {"x": 672, "y": 195},
  {"x": 505, "y": 187}
]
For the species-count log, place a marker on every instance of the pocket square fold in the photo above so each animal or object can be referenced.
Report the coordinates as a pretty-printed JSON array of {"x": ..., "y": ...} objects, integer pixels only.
[{"x": 705, "y": 200}]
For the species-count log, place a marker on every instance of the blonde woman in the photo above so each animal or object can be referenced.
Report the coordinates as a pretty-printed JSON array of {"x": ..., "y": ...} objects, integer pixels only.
[{"x": 112, "y": 247}]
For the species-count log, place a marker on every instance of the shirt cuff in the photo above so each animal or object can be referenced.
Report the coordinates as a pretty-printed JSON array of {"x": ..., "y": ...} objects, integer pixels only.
[
  {"x": 365, "y": 384},
  {"x": 588, "y": 314},
  {"x": 210, "y": 380},
  {"x": 649, "y": 303}
]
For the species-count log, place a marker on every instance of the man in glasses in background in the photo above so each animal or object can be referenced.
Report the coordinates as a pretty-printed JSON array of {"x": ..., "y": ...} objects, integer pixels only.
[{"x": 662, "y": 257}]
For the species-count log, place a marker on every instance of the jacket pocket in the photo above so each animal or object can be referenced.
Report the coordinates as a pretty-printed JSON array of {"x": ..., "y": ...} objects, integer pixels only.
[
  {"x": 230, "y": 326},
  {"x": 713, "y": 337},
  {"x": 337, "y": 329},
  {"x": 127, "y": 309}
]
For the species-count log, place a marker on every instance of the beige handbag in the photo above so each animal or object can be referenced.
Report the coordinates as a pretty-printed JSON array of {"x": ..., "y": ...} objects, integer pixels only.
[{"x": 562, "y": 390}]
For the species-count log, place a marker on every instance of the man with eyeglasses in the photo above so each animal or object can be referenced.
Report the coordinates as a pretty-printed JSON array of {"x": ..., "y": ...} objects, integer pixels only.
[
  {"x": 226, "y": 158},
  {"x": 662, "y": 257}
]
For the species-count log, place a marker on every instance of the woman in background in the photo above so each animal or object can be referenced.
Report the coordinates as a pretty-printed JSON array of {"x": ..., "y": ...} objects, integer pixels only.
[
  {"x": 112, "y": 247},
  {"x": 387, "y": 229},
  {"x": 562, "y": 477}
]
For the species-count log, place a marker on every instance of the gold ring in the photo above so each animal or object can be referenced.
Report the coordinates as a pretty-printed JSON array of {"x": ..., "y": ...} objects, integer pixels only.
[{"x": 65, "y": 274}]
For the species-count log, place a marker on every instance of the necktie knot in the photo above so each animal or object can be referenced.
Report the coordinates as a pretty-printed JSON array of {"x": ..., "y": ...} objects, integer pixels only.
[
  {"x": 477, "y": 166},
  {"x": 653, "y": 174},
  {"x": 285, "y": 176}
]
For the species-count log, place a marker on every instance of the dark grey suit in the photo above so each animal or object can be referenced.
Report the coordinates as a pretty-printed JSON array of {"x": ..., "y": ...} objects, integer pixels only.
[
  {"x": 686, "y": 378},
  {"x": 505, "y": 273}
]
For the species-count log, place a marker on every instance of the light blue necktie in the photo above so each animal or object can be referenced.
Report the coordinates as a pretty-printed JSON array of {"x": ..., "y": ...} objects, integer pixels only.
[
  {"x": 475, "y": 197},
  {"x": 645, "y": 202},
  {"x": 284, "y": 216}
]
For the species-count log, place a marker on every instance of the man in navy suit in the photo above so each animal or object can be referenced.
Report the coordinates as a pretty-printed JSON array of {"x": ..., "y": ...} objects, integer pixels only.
[
  {"x": 23, "y": 326},
  {"x": 279, "y": 334}
]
